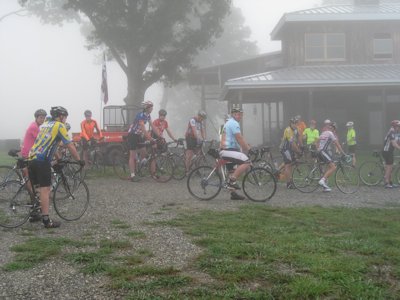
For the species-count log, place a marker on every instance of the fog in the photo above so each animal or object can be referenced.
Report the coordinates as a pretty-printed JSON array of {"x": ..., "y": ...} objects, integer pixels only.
[{"x": 46, "y": 65}]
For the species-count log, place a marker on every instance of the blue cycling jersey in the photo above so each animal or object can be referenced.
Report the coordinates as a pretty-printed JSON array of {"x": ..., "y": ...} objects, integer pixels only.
[{"x": 231, "y": 128}]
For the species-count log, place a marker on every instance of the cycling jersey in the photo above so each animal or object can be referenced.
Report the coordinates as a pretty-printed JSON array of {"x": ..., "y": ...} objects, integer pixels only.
[
  {"x": 228, "y": 140},
  {"x": 351, "y": 137},
  {"x": 50, "y": 135},
  {"x": 325, "y": 140},
  {"x": 29, "y": 139},
  {"x": 87, "y": 129},
  {"x": 390, "y": 136},
  {"x": 289, "y": 137},
  {"x": 161, "y": 125},
  {"x": 301, "y": 126},
  {"x": 198, "y": 127},
  {"x": 311, "y": 134},
  {"x": 141, "y": 118}
]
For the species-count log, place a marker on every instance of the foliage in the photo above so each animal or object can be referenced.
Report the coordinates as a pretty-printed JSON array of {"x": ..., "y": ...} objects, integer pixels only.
[{"x": 151, "y": 40}]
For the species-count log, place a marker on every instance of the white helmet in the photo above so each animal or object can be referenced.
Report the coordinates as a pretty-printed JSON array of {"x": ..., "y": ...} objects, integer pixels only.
[
  {"x": 327, "y": 121},
  {"x": 147, "y": 104},
  {"x": 350, "y": 124}
]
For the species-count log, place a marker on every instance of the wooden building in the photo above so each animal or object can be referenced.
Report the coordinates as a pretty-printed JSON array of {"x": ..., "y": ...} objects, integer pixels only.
[{"x": 338, "y": 62}]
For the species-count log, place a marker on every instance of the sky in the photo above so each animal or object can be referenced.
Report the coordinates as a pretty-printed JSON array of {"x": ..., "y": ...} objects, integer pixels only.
[{"x": 46, "y": 65}]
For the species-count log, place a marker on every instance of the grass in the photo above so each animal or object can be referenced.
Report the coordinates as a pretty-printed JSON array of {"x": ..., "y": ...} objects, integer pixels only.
[
  {"x": 256, "y": 252},
  {"x": 5, "y": 159}
]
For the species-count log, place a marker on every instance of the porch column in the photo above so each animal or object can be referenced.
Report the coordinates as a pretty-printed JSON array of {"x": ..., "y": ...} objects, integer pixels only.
[
  {"x": 310, "y": 105},
  {"x": 263, "y": 123},
  {"x": 384, "y": 111},
  {"x": 269, "y": 122},
  {"x": 241, "y": 107}
]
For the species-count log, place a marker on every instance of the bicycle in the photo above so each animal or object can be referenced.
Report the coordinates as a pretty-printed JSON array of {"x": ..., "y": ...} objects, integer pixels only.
[
  {"x": 17, "y": 203},
  {"x": 372, "y": 172},
  {"x": 307, "y": 175},
  {"x": 164, "y": 165},
  {"x": 8, "y": 173},
  {"x": 205, "y": 183},
  {"x": 96, "y": 162}
]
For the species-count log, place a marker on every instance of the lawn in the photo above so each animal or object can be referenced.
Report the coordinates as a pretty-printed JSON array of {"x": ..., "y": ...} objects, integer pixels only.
[{"x": 5, "y": 159}]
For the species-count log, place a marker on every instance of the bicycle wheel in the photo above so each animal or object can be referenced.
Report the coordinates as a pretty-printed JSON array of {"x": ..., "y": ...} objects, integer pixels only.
[
  {"x": 396, "y": 175},
  {"x": 99, "y": 164},
  {"x": 305, "y": 177},
  {"x": 8, "y": 173},
  {"x": 347, "y": 179},
  {"x": 73, "y": 206},
  {"x": 371, "y": 173},
  {"x": 14, "y": 204},
  {"x": 204, "y": 183},
  {"x": 164, "y": 168},
  {"x": 121, "y": 166},
  {"x": 179, "y": 166},
  {"x": 259, "y": 184}
]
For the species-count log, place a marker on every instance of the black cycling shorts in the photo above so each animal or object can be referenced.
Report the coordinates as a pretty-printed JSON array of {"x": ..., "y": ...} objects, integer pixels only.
[
  {"x": 288, "y": 156},
  {"x": 324, "y": 157},
  {"x": 388, "y": 157},
  {"x": 134, "y": 140},
  {"x": 191, "y": 143},
  {"x": 40, "y": 173}
]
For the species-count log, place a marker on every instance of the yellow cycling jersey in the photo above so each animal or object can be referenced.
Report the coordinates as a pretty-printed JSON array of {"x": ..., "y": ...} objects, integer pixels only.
[
  {"x": 311, "y": 134},
  {"x": 289, "y": 137},
  {"x": 50, "y": 135},
  {"x": 351, "y": 137}
]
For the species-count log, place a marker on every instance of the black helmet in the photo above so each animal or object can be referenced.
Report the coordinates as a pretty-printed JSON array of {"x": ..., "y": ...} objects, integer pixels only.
[
  {"x": 40, "y": 112},
  {"x": 162, "y": 112},
  {"x": 88, "y": 113},
  {"x": 292, "y": 121},
  {"x": 57, "y": 111}
]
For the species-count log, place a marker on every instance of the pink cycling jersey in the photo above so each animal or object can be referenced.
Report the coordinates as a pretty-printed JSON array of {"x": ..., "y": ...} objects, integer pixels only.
[{"x": 29, "y": 139}]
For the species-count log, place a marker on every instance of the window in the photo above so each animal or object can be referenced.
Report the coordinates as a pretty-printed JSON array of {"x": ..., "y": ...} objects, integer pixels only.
[
  {"x": 325, "y": 46},
  {"x": 383, "y": 46}
]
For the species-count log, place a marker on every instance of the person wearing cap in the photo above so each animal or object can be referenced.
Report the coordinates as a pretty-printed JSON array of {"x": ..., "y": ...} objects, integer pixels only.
[
  {"x": 389, "y": 145},
  {"x": 232, "y": 146},
  {"x": 161, "y": 125},
  {"x": 351, "y": 140},
  {"x": 289, "y": 146},
  {"x": 88, "y": 126},
  {"x": 311, "y": 134},
  {"x": 195, "y": 135},
  {"x": 324, "y": 141},
  {"x": 137, "y": 135}
]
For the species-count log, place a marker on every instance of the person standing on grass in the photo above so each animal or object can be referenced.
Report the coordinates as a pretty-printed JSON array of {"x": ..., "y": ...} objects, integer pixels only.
[
  {"x": 351, "y": 141},
  {"x": 389, "y": 145}
]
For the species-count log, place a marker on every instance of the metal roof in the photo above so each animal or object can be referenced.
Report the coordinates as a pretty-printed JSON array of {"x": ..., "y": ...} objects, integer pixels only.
[
  {"x": 319, "y": 76},
  {"x": 377, "y": 12}
]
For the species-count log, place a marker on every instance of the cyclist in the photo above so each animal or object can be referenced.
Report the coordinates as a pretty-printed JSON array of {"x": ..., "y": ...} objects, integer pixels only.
[
  {"x": 161, "y": 124},
  {"x": 289, "y": 146},
  {"x": 301, "y": 126},
  {"x": 195, "y": 135},
  {"x": 324, "y": 141},
  {"x": 41, "y": 154},
  {"x": 387, "y": 153},
  {"x": 351, "y": 141},
  {"x": 311, "y": 134},
  {"x": 137, "y": 134},
  {"x": 232, "y": 143},
  {"x": 87, "y": 133}
]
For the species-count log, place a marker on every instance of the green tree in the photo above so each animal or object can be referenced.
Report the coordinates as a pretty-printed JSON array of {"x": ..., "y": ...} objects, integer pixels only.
[{"x": 152, "y": 40}]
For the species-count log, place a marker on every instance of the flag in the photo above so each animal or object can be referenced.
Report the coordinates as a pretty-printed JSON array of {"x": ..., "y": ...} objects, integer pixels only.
[{"x": 104, "y": 86}]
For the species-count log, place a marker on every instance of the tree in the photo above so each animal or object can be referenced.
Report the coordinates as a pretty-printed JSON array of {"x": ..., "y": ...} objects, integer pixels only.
[{"x": 152, "y": 40}]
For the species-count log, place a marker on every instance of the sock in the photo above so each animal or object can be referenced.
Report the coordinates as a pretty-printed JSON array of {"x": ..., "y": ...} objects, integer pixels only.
[{"x": 132, "y": 174}]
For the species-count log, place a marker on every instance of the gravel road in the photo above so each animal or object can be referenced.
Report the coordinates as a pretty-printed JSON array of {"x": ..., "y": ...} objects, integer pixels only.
[{"x": 136, "y": 204}]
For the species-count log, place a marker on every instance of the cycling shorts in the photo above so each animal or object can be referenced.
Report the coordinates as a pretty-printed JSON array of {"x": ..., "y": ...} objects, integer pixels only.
[
  {"x": 288, "y": 156},
  {"x": 191, "y": 143},
  {"x": 134, "y": 140},
  {"x": 234, "y": 156},
  {"x": 324, "y": 157},
  {"x": 40, "y": 172},
  {"x": 388, "y": 157}
]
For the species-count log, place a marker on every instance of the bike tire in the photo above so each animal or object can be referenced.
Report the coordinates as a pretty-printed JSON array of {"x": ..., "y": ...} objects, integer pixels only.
[
  {"x": 8, "y": 173},
  {"x": 204, "y": 183},
  {"x": 396, "y": 174},
  {"x": 74, "y": 206},
  {"x": 179, "y": 166},
  {"x": 164, "y": 168},
  {"x": 259, "y": 184},
  {"x": 347, "y": 179},
  {"x": 371, "y": 173},
  {"x": 305, "y": 177},
  {"x": 15, "y": 204},
  {"x": 121, "y": 166}
]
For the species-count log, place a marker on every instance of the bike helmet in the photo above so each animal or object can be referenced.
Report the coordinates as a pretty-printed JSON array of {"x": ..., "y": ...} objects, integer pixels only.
[
  {"x": 57, "y": 111},
  {"x": 297, "y": 118},
  {"x": 350, "y": 124},
  {"x": 87, "y": 113},
  {"x": 327, "y": 121},
  {"x": 292, "y": 121},
  {"x": 162, "y": 112},
  {"x": 202, "y": 114},
  {"x": 313, "y": 122},
  {"x": 147, "y": 104},
  {"x": 40, "y": 112},
  {"x": 236, "y": 110},
  {"x": 395, "y": 123}
]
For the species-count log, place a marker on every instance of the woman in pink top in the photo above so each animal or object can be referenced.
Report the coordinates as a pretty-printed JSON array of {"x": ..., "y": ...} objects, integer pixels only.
[{"x": 32, "y": 132}]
